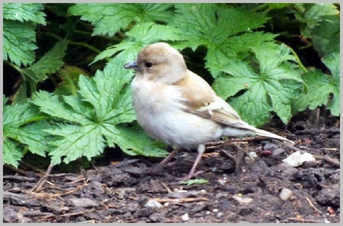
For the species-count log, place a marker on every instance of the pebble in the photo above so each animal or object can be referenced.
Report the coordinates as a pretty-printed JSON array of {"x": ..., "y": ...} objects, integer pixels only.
[
  {"x": 219, "y": 214},
  {"x": 83, "y": 202},
  {"x": 285, "y": 194},
  {"x": 244, "y": 200},
  {"x": 185, "y": 217},
  {"x": 270, "y": 146},
  {"x": 297, "y": 158},
  {"x": 251, "y": 157},
  {"x": 278, "y": 151},
  {"x": 153, "y": 204}
]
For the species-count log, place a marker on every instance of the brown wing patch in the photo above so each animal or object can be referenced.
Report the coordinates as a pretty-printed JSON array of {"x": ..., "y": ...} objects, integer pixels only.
[{"x": 195, "y": 91}]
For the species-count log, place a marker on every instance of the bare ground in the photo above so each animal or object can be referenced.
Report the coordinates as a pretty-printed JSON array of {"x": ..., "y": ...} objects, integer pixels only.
[{"x": 238, "y": 188}]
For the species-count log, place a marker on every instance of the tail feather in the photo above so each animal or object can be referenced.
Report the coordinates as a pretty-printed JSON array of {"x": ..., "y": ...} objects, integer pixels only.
[{"x": 264, "y": 133}]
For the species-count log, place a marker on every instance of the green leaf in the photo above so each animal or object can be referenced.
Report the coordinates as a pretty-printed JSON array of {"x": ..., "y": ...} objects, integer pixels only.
[
  {"x": 322, "y": 25},
  {"x": 332, "y": 61},
  {"x": 270, "y": 89},
  {"x": 138, "y": 37},
  {"x": 22, "y": 126},
  {"x": 50, "y": 104},
  {"x": 326, "y": 36},
  {"x": 194, "y": 181},
  {"x": 94, "y": 118},
  {"x": 212, "y": 26},
  {"x": 236, "y": 47},
  {"x": 114, "y": 16},
  {"x": 322, "y": 89},
  {"x": 75, "y": 141},
  {"x": 11, "y": 153},
  {"x": 133, "y": 140},
  {"x": 313, "y": 13},
  {"x": 48, "y": 64},
  {"x": 19, "y": 42},
  {"x": 19, "y": 24},
  {"x": 24, "y": 12},
  {"x": 109, "y": 93}
]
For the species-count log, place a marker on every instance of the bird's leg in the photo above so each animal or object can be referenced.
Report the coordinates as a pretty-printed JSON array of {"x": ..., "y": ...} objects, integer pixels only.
[
  {"x": 158, "y": 167},
  {"x": 192, "y": 173}
]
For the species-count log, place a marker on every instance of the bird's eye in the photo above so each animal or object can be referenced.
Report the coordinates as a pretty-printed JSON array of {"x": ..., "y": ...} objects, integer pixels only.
[{"x": 148, "y": 64}]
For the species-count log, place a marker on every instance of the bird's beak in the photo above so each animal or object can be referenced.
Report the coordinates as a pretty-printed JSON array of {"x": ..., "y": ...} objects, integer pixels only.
[{"x": 131, "y": 65}]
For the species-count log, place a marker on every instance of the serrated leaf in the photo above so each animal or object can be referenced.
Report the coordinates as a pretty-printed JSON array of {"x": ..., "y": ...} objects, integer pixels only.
[
  {"x": 21, "y": 127},
  {"x": 212, "y": 26},
  {"x": 114, "y": 17},
  {"x": 24, "y": 12},
  {"x": 109, "y": 94},
  {"x": 48, "y": 64},
  {"x": 312, "y": 13},
  {"x": 75, "y": 141},
  {"x": 326, "y": 36},
  {"x": 102, "y": 100},
  {"x": 11, "y": 153},
  {"x": 236, "y": 47},
  {"x": 33, "y": 136},
  {"x": 19, "y": 114},
  {"x": 322, "y": 26},
  {"x": 19, "y": 42},
  {"x": 253, "y": 106},
  {"x": 263, "y": 91},
  {"x": 138, "y": 37},
  {"x": 52, "y": 106},
  {"x": 332, "y": 61},
  {"x": 320, "y": 87},
  {"x": 133, "y": 140}
]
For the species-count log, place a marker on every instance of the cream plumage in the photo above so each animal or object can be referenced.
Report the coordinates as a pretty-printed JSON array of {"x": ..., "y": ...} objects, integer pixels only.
[{"x": 178, "y": 107}]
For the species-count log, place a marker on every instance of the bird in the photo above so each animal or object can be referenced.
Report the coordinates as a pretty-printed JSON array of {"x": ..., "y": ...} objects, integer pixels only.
[{"x": 178, "y": 107}]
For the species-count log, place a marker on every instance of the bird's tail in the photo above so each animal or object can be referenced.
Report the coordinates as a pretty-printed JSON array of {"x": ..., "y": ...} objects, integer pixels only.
[{"x": 264, "y": 133}]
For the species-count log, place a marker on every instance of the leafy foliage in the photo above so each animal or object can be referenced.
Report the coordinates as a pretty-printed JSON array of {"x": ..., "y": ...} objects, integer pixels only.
[
  {"x": 94, "y": 118},
  {"x": 321, "y": 24},
  {"x": 323, "y": 89},
  {"x": 20, "y": 131},
  {"x": 114, "y": 17},
  {"x": 73, "y": 100},
  {"x": 265, "y": 90},
  {"x": 207, "y": 25},
  {"x": 38, "y": 71},
  {"x": 19, "y": 25}
]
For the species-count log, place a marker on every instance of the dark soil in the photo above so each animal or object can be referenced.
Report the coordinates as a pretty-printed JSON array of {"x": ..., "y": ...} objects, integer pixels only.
[{"x": 238, "y": 189}]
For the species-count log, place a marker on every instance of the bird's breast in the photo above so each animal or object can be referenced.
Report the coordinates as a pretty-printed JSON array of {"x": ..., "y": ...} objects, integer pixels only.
[{"x": 161, "y": 112}]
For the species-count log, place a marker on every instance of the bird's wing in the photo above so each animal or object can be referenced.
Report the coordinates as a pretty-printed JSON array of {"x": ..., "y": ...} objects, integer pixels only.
[{"x": 200, "y": 99}]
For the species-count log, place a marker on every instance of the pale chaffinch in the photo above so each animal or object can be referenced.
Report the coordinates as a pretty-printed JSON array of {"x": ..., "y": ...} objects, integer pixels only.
[{"x": 178, "y": 107}]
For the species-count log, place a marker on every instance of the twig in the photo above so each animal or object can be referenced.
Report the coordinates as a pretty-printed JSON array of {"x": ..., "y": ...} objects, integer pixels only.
[
  {"x": 49, "y": 195},
  {"x": 40, "y": 172},
  {"x": 315, "y": 208},
  {"x": 182, "y": 200},
  {"x": 334, "y": 162},
  {"x": 166, "y": 187},
  {"x": 317, "y": 131},
  {"x": 16, "y": 169},
  {"x": 42, "y": 180},
  {"x": 303, "y": 220}
]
